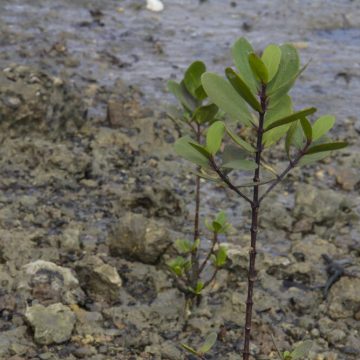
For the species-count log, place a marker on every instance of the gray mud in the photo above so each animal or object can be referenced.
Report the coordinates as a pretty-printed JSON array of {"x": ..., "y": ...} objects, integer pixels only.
[{"x": 88, "y": 170}]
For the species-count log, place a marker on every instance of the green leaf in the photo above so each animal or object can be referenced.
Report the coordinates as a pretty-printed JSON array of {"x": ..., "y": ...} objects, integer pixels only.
[
  {"x": 199, "y": 287},
  {"x": 240, "y": 164},
  {"x": 275, "y": 96},
  {"x": 290, "y": 137},
  {"x": 282, "y": 109},
  {"x": 302, "y": 350},
  {"x": 183, "y": 246},
  {"x": 306, "y": 126},
  {"x": 327, "y": 147},
  {"x": 289, "y": 119},
  {"x": 205, "y": 113},
  {"x": 192, "y": 78},
  {"x": 271, "y": 58},
  {"x": 259, "y": 68},
  {"x": 226, "y": 98},
  {"x": 208, "y": 344},
  {"x": 221, "y": 256},
  {"x": 309, "y": 159},
  {"x": 238, "y": 140},
  {"x": 240, "y": 53},
  {"x": 322, "y": 125},
  {"x": 242, "y": 89},
  {"x": 214, "y": 137},
  {"x": 221, "y": 218},
  {"x": 201, "y": 149},
  {"x": 288, "y": 68},
  {"x": 190, "y": 349},
  {"x": 232, "y": 152},
  {"x": 183, "y": 96},
  {"x": 185, "y": 150},
  {"x": 178, "y": 265}
]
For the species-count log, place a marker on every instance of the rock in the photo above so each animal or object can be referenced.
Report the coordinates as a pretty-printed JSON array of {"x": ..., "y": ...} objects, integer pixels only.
[
  {"x": 319, "y": 205},
  {"x": 154, "y": 5},
  {"x": 37, "y": 101},
  {"x": 275, "y": 215},
  {"x": 52, "y": 324},
  {"x": 13, "y": 339},
  {"x": 138, "y": 238},
  {"x": 345, "y": 298},
  {"x": 49, "y": 283},
  {"x": 98, "y": 278},
  {"x": 70, "y": 239},
  {"x": 348, "y": 178},
  {"x": 88, "y": 322}
]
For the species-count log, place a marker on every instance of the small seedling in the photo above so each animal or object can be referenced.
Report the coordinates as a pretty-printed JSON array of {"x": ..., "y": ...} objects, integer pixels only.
[
  {"x": 195, "y": 115},
  {"x": 300, "y": 352},
  {"x": 255, "y": 98},
  {"x": 204, "y": 348}
]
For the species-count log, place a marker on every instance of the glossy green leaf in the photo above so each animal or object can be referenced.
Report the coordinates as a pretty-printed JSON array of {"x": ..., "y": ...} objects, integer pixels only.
[
  {"x": 199, "y": 287},
  {"x": 185, "y": 150},
  {"x": 232, "y": 152},
  {"x": 178, "y": 265},
  {"x": 291, "y": 118},
  {"x": 259, "y": 68},
  {"x": 238, "y": 140},
  {"x": 290, "y": 137},
  {"x": 200, "y": 93},
  {"x": 302, "y": 350},
  {"x": 205, "y": 114},
  {"x": 201, "y": 149},
  {"x": 271, "y": 58},
  {"x": 192, "y": 77},
  {"x": 322, "y": 125},
  {"x": 221, "y": 256},
  {"x": 240, "y": 164},
  {"x": 214, "y": 137},
  {"x": 183, "y": 246},
  {"x": 288, "y": 68},
  {"x": 183, "y": 96},
  {"x": 306, "y": 126},
  {"x": 242, "y": 89},
  {"x": 208, "y": 344},
  {"x": 240, "y": 53},
  {"x": 327, "y": 147},
  {"x": 226, "y": 98}
]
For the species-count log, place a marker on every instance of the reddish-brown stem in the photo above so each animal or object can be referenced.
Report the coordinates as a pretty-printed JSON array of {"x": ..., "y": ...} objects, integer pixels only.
[
  {"x": 214, "y": 242},
  {"x": 194, "y": 253},
  {"x": 254, "y": 228}
]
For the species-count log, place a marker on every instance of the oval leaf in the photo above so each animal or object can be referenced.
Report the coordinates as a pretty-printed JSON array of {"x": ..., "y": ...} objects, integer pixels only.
[
  {"x": 288, "y": 68},
  {"x": 289, "y": 137},
  {"x": 302, "y": 350},
  {"x": 240, "y": 52},
  {"x": 322, "y": 125},
  {"x": 214, "y": 137},
  {"x": 208, "y": 344},
  {"x": 192, "y": 77},
  {"x": 271, "y": 58},
  {"x": 259, "y": 68},
  {"x": 243, "y": 90},
  {"x": 182, "y": 95},
  {"x": 205, "y": 114},
  {"x": 293, "y": 117},
  {"x": 226, "y": 98},
  {"x": 327, "y": 147},
  {"x": 185, "y": 150}
]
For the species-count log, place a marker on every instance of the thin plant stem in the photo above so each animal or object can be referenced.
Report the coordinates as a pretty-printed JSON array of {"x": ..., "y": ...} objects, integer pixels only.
[
  {"x": 194, "y": 253},
  {"x": 254, "y": 228},
  {"x": 214, "y": 242}
]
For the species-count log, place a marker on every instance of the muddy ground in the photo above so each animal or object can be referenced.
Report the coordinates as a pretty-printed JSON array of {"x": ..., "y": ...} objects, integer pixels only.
[{"x": 92, "y": 195}]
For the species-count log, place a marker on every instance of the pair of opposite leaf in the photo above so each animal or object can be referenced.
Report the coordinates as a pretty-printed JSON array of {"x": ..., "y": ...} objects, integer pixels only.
[{"x": 277, "y": 70}]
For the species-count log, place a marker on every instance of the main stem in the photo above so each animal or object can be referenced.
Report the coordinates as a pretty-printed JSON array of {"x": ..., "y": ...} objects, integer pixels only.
[
  {"x": 254, "y": 228},
  {"x": 194, "y": 254}
]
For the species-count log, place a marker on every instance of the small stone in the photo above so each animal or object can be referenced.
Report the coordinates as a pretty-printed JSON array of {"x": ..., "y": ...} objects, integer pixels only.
[
  {"x": 52, "y": 324},
  {"x": 139, "y": 238}
]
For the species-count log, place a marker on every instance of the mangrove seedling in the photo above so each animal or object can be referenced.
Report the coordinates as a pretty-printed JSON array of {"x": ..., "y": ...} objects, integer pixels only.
[
  {"x": 255, "y": 96},
  {"x": 195, "y": 116}
]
